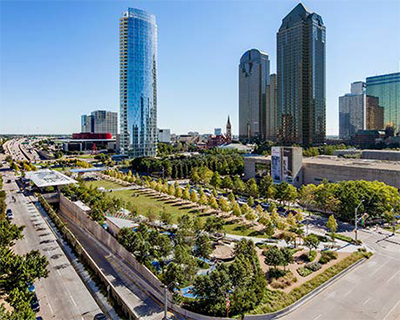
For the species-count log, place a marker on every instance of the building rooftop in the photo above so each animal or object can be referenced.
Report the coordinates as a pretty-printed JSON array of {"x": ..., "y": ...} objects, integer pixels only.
[{"x": 49, "y": 178}]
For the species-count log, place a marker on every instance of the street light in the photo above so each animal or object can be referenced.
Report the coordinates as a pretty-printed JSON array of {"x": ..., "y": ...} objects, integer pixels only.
[
  {"x": 394, "y": 218},
  {"x": 166, "y": 298},
  {"x": 355, "y": 219}
]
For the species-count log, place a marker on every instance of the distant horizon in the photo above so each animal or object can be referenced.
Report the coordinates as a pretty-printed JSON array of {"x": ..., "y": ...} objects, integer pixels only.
[{"x": 68, "y": 62}]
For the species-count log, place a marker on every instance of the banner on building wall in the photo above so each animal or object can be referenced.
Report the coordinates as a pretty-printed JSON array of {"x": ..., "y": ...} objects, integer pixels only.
[{"x": 276, "y": 162}]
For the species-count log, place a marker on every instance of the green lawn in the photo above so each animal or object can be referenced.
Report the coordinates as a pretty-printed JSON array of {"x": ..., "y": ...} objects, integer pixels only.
[
  {"x": 105, "y": 184},
  {"x": 144, "y": 203}
]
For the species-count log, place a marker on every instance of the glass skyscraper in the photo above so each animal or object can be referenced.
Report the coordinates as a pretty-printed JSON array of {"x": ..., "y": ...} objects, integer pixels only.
[
  {"x": 387, "y": 88},
  {"x": 301, "y": 78},
  {"x": 138, "y": 83},
  {"x": 253, "y": 81}
]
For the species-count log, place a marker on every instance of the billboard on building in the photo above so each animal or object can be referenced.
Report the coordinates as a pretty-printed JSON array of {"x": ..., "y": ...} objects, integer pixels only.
[
  {"x": 276, "y": 162},
  {"x": 287, "y": 165}
]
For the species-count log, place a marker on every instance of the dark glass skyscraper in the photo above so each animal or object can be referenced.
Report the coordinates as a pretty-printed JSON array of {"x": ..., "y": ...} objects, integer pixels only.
[
  {"x": 138, "y": 83},
  {"x": 301, "y": 78},
  {"x": 253, "y": 81},
  {"x": 387, "y": 88}
]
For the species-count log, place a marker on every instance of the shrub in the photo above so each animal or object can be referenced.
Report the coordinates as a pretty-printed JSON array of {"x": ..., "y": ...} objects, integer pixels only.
[
  {"x": 327, "y": 256},
  {"x": 283, "y": 282},
  {"x": 321, "y": 238},
  {"x": 312, "y": 255},
  {"x": 313, "y": 266},
  {"x": 304, "y": 272}
]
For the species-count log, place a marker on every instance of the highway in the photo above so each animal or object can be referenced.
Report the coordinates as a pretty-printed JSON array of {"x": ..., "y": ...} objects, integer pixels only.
[
  {"x": 62, "y": 295},
  {"x": 371, "y": 291}
]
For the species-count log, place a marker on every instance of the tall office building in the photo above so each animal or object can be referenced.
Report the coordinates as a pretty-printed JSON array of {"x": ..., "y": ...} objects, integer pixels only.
[
  {"x": 253, "y": 81},
  {"x": 301, "y": 78},
  {"x": 100, "y": 121},
  {"x": 271, "y": 109},
  {"x": 138, "y": 83},
  {"x": 352, "y": 111},
  {"x": 387, "y": 88},
  {"x": 375, "y": 114}
]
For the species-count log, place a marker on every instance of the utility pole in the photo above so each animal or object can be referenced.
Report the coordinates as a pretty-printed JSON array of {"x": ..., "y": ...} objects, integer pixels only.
[
  {"x": 166, "y": 302},
  {"x": 355, "y": 220}
]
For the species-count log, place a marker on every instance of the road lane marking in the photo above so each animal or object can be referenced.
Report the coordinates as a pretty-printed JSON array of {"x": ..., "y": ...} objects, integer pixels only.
[
  {"x": 348, "y": 292},
  {"x": 73, "y": 300},
  {"x": 391, "y": 310},
  {"x": 366, "y": 301},
  {"x": 51, "y": 309},
  {"x": 376, "y": 270},
  {"x": 318, "y": 316},
  {"x": 392, "y": 276}
]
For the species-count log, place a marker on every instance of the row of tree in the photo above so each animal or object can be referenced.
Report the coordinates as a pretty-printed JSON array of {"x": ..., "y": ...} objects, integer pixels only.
[{"x": 17, "y": 271}]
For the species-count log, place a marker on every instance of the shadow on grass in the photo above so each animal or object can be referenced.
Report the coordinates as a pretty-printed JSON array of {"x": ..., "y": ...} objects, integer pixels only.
[{"x": 256, "y": 233}]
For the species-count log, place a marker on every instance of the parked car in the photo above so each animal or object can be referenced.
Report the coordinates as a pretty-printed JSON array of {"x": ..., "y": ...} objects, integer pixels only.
[
  {"x": 100, "y": 316},
  {"x": 31, "y": 287},
  {"x": 9, "y": 214},
  {"x": 281, "y": 209},
  {"x": 35, "y": 304}
]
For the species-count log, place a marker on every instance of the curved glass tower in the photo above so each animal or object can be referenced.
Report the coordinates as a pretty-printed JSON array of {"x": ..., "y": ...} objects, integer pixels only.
[{"x": 138, "y": 83}]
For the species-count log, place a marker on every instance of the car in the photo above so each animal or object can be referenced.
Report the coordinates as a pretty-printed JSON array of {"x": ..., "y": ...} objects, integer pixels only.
[
  {"x": 100, "y": 316},
  {"x": 9, "y": 181},
  {"x": 9, "y": 214},
  {"x": 31, "y": 287},
  {"x": 35, "y": 304}
]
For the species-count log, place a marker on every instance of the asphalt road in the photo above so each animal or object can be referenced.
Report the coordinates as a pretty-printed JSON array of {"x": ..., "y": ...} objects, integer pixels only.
[
  {"x": 62, "y": 295},
  {"x": 371, "y": 291}
]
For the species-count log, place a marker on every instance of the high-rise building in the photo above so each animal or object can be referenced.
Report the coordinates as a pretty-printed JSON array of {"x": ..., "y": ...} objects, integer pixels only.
[
  {"x": 271, "y": 109},
  {"x": 387, "y": 88},
  {"x": 100, "y": 121},
  {"x": 253, "y": 81},
  {"x": 375, "y": 114},
  {"x": 352, "y": 111},
  {"x": 138, "y": 83},
  {"x": 301, "y": 78},
  {"x": 164, "y": 135}
]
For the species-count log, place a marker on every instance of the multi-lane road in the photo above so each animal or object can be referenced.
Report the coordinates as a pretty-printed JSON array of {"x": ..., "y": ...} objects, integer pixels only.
[{"x": 62, "y": 295}]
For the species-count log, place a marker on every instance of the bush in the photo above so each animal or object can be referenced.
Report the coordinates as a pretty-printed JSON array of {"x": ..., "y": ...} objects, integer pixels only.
[
  {"x": 283, "y": 282},
  {"x": 304, "y": 272},
  {"x": 346, "y": 238},
  {"x": 276, "y": 273},
  {"x": 321, "y": 238},
  {"x": 313, "y": 266},
  {"x": 327, "y": 256},
  {"x": 312, "y": 255}
]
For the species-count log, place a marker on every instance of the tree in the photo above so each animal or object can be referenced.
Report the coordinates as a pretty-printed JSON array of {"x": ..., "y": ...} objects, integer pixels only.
[
  {"x": 227, "y": 183},
  {"x": 252, "y": 188},
  {"x": 332, "y": 226},
  {"x": 171, "y": 190},
  {"x": 287, "y": 255},
  {"x": 203, "y": 200},
  {"x": 259, "y": 209},
  {"x": 231, "y": 197},
  {"x": 186, "y": 193},
  {"x": 299, "y": 217},
  {"x": 269, "y": 229},
  {"x": 289, "y": 237},
  {"x": 178, "y": 192},
  {"x": 197, "y": 225},
  {"x": 193, "y": 196},
  {"x": 245, "y": 208},
  {"x": 250, "y": 201},
  {"x": 236, "y": 209},
  {"x": 214, "y": 224},
  {"x": 223, "y": 204},
  {"x": 212, "y": 202},
  {"x": 274, "y": 257},
  {"x": 194, "y": 176},
  {"x": 203, "y": 246},
  {"x": 265, "y": 184},
  {"x": 291, "y": 221},
  {"x": 166, "y": 217},
  {"x": 311, "y": 242},
  {"x": 251, "y": 216},
  {"x": 174, "y": 275},
  {"x": 216, "y": 180}
]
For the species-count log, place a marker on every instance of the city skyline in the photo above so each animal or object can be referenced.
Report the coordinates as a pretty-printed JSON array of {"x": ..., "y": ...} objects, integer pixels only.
[{"x": 199, "y": 98}]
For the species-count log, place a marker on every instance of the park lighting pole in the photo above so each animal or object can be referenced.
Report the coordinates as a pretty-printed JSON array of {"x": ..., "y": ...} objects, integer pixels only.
[
  {"x": 394, "y": 218},
  {"x": 166, "y": 302},
  {"x": 355, "y": 219}
]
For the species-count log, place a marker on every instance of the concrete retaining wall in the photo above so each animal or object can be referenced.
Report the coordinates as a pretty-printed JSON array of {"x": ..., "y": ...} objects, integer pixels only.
[{"x": 149, "y": 281}]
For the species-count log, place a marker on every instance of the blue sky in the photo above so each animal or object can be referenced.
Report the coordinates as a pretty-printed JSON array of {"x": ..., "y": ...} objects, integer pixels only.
[{"x": 59, "y": 59}]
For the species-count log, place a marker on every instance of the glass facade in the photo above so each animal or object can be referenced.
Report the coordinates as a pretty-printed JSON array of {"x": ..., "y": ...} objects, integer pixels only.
[
  {"x": 253, "y": 81},
  {"x": 387, "y": 88},
  {"x": 301, "y": 116},
  {"x": 138, "y": 83}
]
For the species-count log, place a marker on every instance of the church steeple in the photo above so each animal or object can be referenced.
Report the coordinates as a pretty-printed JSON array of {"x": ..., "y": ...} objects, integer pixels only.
[{"x": 229, "y": 130}]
